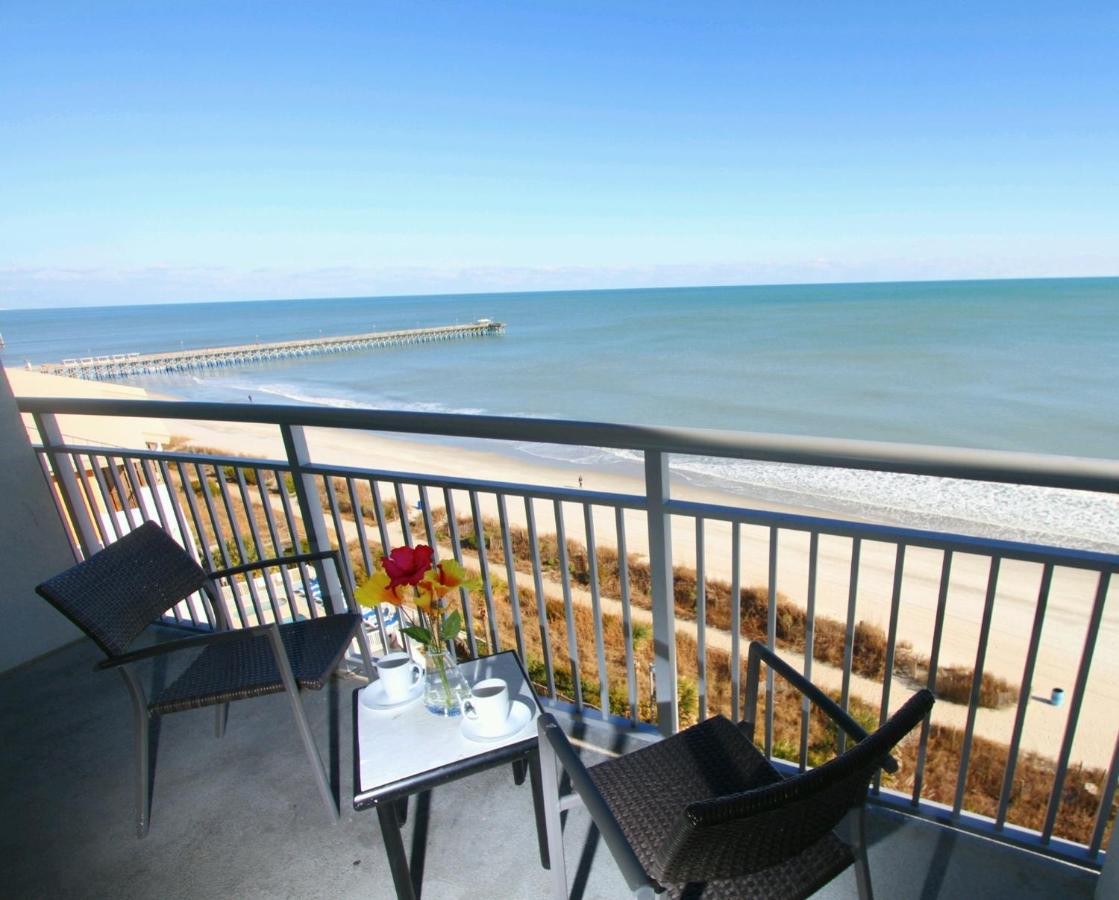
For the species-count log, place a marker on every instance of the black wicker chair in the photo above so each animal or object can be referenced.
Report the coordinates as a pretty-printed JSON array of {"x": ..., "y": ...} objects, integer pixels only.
[
  {"x": 704, "y": 814},
  {"x": 116, "y": 593}
]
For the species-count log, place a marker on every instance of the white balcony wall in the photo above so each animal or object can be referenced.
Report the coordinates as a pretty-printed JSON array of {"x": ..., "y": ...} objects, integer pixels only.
[{"x": 33, "y": 546}]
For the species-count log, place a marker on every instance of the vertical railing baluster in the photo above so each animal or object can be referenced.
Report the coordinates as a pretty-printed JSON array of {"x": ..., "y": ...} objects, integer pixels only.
[
  {"x": 239, "y": 543},
  {"x": 261, "y": 550},
  {"x": 196, "y": 517},
  {"x": 1024, "y": 694},
  {"x": 976, "y": 684},
  {"x": 153, "y": 492},
  {"x": 359, "y": 524},
  {"x": 124, "y": 524},
  {"x": 90, "y": 496},
  {"x": 367, "y": 554},
  {"x": 50, "y": 435},
  {"x": 219, "y": 535},
  {"x": 627, "y": 613},
  {"x": 657, "y": 493},
  {"x": 339, "y": 528},
  {"x": 273, "y": 532},
  {"x": 262, "y": 490},
  {"x": 849, "y": 636},
  {"x": 1074, "y": 706},
  {"x": 771, "y": 641},
  {"x": 484, "y": 567},
  {"x": 176, "y": 495},
  {"x": 541, "y": 602},
  {"x": 55, "y": 491},
  {"x": 596, "y": 611},
  {"x": 402, "y": 509},
  {"x": 106, "y": 496},
  {"x": 129, "y": 467},
  {"x": 456, "y": 549},
  {"x": 429, "y": 522},
  {"x": 165, "y": 524},
  {"x": 934, "y": 661},
  {"x": 126, "y": 510},
  {"x": 891, "y": 644},
  {"x": 809, "y": 641},
  {"x": 736, "y": 622},
  {"x": 379, "y": 512},
  {"x": 1103, "y": 815},
  {"x": 701, "y": 618},
  {"x": 568, "y": 606},
  {"x": 511, "y": 575}
]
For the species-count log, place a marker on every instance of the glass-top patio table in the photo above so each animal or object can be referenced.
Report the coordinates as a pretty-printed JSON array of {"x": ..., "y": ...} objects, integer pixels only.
[{"x": 406, "y": 750}]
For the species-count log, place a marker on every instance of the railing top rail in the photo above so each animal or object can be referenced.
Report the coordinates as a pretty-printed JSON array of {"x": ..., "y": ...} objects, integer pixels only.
[{"x": 1069, "y": 472}]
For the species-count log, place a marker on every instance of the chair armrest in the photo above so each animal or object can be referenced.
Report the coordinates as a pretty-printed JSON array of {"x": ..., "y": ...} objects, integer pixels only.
[
  {"x": 277, "y": 561},
  {"x": 553, "y": 737},
  {"x": 204, "y": 640},
  {"x": 760, "y": 652}
]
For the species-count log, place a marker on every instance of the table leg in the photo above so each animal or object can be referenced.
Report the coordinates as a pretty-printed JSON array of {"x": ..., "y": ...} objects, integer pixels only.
[
  {"x": 518, "y": 771},
  {"x": 538, "y": 808},
  {"x": 394, "y": 847}
]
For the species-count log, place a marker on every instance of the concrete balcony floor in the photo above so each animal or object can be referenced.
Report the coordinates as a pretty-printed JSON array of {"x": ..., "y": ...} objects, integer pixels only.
[{"x": 241, "y": 817}]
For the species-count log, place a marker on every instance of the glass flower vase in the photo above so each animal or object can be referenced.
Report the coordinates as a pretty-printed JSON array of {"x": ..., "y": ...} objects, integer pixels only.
[{"x": 444, "y": 685}]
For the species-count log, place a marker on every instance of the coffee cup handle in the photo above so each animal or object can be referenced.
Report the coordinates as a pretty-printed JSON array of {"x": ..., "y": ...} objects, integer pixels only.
[{"x": 415, "y": 672}]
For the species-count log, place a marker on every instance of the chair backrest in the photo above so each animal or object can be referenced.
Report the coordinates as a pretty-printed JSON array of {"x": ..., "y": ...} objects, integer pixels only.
[
  {"x": 119, "y": 591},
  {"x": 745, "y": 832}
]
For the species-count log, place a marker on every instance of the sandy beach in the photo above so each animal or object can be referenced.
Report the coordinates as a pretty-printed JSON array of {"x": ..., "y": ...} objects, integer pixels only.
[{"x": 1063, "y": 635}]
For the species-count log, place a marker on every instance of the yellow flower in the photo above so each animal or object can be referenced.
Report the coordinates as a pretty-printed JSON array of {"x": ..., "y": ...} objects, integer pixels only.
[{"x": 378, "y": 589}]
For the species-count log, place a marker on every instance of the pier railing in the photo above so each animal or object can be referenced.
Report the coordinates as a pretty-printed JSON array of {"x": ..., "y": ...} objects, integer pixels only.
[
  {"x": 124, "y": 365},
  {"x": 634, "y": 608}
]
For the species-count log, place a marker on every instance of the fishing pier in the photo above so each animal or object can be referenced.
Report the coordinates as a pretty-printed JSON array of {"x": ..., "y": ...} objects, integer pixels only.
[{"x": 123, "y": 365}]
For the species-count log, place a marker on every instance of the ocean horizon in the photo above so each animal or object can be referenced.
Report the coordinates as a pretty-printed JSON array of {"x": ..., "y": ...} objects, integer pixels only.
[{"x": 1025, "y": 365}]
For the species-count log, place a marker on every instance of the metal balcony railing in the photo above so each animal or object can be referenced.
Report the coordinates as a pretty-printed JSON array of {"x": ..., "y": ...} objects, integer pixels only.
[{"x": 613, "y": 619}]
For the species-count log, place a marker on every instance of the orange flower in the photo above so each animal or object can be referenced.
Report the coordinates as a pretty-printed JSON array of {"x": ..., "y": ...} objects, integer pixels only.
[{"x": 445, "y": 577}]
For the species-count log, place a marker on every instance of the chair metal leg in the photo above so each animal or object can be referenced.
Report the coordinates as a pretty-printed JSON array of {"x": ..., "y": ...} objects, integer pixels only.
[
  {"x": 142, "y": 727},
  {"x": 292, "y": 690},
  {"x": 538, "y": 809},
  {"x": 549, "y": 785},
  {"x": 221, "y": 716},
  {"x": 862, "y": 864}
]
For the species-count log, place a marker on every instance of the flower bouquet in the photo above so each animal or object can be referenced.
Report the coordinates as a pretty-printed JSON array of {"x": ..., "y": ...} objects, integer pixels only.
[{"x": 410, "y": 575}]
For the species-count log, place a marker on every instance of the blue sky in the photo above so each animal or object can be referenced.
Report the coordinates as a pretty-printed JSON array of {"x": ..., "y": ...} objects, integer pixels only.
[{"x": 160, "y": 151}]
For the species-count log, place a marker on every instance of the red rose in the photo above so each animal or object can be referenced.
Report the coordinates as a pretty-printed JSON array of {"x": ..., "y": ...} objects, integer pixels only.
[{"x": 407, "y": 565}]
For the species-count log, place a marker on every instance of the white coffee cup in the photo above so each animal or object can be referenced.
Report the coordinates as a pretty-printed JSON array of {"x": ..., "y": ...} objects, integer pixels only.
[
  {"x": 398, "y": 675},
  {"x": 488, "y": 706}
]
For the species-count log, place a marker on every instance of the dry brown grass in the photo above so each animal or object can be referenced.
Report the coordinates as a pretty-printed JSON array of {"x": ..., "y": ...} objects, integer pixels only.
[
  {"x": 869, "y": 652},
  {"x": 1033, "y": 775}
]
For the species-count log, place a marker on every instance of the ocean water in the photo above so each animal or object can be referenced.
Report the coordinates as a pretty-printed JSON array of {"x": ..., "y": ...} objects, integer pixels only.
[{"x": 1018, "y": 365}]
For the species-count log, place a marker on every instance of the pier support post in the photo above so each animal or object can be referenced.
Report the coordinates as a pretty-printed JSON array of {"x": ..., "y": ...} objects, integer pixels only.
[
  {"x": 314, "y": 520},
  {"x": 663, "y": 595}
]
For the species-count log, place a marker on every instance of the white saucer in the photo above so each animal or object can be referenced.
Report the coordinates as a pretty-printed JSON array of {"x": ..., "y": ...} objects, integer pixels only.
[
  {"x": 520, "y": 715},
  {"x": 373, "y": 696}
]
